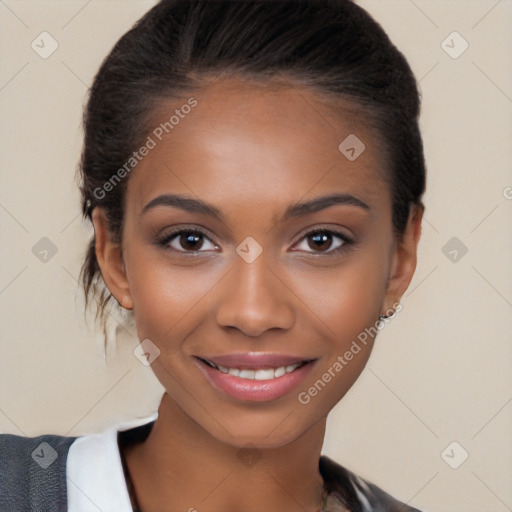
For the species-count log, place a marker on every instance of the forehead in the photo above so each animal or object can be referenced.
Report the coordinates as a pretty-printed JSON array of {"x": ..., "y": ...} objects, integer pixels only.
[{"x": 243, "y": 143}]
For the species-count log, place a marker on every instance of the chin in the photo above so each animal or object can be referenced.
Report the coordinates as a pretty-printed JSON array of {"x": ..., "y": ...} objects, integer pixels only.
[{"x": 276, "y": 431}]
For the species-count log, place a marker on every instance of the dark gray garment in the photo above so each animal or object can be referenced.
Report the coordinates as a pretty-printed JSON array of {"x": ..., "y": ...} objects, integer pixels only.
[{"x": 33, "y": 473}]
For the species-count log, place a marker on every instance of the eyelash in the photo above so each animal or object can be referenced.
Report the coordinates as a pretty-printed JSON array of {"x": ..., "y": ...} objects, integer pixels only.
[{"x": 166, "y": 239}]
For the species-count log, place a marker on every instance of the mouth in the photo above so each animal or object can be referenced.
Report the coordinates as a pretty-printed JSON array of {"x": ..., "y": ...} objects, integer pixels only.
[
  {"x": 255, "y": 377},
  {"x": 263, "y": 373}
]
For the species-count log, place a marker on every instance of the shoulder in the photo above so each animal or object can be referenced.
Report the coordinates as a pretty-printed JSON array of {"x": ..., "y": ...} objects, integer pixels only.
[
  {"x": 357, "y": 493},
  {"x": 36, "y": 472},
  {"x": 33, "y": 452},
  {"x": 33, "y": 465}
]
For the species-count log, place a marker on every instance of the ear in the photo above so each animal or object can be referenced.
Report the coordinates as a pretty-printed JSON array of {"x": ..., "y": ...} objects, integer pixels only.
[
  {"x": 110, "y": 260},
  {"x": 403, "y": 260}
]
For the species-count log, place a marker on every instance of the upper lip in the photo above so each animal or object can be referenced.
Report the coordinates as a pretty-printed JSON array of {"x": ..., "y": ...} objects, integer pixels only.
[{"x": 255, "y": 360}]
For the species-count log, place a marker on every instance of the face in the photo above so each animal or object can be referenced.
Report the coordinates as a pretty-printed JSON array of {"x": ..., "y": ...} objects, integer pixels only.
[{"x": 276, "y": 270}]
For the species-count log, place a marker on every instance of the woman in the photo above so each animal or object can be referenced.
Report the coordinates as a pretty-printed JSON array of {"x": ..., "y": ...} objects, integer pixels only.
[{"x": 254, "y": 174}]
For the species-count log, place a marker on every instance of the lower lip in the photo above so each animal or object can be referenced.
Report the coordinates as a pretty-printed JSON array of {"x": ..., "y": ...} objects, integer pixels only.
[{"x": 254, "y": 390}]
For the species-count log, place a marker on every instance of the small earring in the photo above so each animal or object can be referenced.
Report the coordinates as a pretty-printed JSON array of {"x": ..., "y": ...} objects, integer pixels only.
[{"x": 382, "y": 317}]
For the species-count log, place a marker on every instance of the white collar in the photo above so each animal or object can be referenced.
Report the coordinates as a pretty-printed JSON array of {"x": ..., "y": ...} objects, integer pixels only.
[{"x": 95, "y": 478}]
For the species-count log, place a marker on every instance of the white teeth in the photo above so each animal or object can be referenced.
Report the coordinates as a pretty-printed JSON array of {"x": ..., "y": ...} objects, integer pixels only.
[
  {"x": 264, "y": 374},
  {"x": 292, "y": 367},
  {"x": 280, "y": 371},
  {"x": 260, "y": 374}
]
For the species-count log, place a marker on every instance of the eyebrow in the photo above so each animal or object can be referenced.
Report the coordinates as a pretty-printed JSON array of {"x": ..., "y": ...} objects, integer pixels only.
[{"x": 191, "y": 205}]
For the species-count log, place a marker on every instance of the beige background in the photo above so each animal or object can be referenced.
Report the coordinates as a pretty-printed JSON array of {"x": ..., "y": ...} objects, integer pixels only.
[{"x": 440, "y": 372}]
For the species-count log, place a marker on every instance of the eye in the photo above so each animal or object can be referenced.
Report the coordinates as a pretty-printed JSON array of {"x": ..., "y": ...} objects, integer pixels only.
[
  {"x": 322, "y": 239},
  {"x": 186, "y": 240}
]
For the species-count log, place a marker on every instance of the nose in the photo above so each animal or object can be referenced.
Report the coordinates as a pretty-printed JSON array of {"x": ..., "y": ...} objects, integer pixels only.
[{"x": 255, "y": 299}]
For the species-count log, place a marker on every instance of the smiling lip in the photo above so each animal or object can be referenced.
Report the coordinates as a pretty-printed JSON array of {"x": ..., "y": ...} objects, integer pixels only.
[{"x": 254, "y": 389}]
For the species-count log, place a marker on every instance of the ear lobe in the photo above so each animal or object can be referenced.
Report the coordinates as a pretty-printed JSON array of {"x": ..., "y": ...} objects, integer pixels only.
[
  {"x": 404, "y": 258},
  {"x": 110, "y": 261}
]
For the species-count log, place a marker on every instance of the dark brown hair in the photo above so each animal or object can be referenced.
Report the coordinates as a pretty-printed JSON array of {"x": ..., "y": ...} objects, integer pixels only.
[{"x": 333, "y": 47}]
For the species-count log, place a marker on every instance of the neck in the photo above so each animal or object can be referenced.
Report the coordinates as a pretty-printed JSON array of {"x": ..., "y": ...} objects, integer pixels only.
[{"x": 181, "y": 466}]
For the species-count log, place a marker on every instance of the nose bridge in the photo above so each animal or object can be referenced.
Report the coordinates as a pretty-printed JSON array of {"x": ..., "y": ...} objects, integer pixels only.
[{"x": 253, "y": 298}]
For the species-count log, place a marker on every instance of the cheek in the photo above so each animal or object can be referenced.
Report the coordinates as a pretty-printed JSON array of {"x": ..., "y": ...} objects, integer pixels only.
[
  {"x": 347, "y": 298},
  {"x": 346, "y": 304},
  {"x": 166, "y": 296},
  {"x": 351, "y": 314}
]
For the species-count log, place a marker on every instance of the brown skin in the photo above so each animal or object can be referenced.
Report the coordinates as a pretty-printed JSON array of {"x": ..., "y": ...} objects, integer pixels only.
[{"x": 251, "y": 152}]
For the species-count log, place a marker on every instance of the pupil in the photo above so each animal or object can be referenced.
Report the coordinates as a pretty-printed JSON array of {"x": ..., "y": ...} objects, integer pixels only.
[
  {"x": 321, "y": 238},
  {"x": 192, "y": 240}
]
